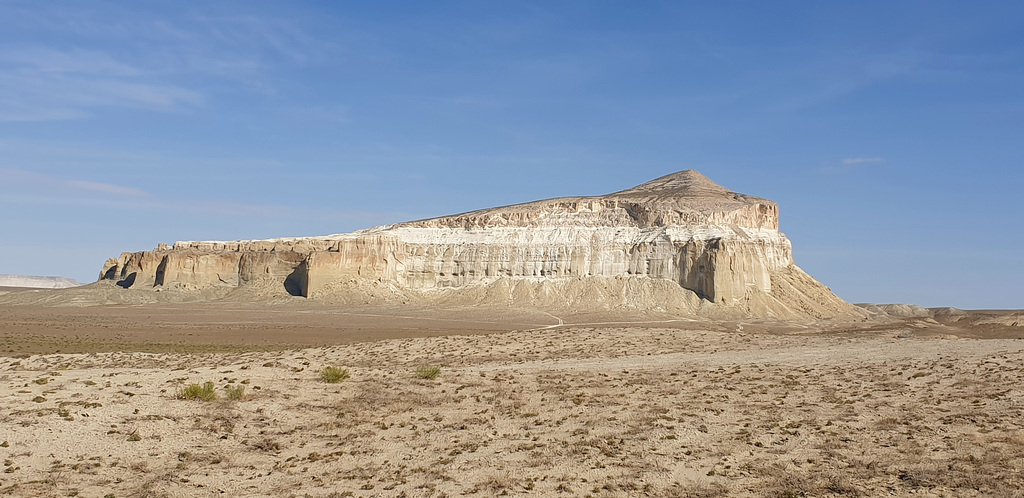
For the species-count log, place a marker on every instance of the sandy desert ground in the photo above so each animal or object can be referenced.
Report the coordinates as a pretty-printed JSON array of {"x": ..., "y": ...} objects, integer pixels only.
[{"x": 520, "y": 405}]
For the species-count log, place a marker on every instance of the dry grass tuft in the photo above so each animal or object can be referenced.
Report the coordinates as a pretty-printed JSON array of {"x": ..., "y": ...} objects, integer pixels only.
[
  {"x": 235, "y": 393},
  {"x": 333, "y": 375},
  {"x": 204, "y": 392},
  {"x": 429, "y": 372}
]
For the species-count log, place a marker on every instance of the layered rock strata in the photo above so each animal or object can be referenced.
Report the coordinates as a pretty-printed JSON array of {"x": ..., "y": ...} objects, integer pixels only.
[{"x": 683, "y": 228}]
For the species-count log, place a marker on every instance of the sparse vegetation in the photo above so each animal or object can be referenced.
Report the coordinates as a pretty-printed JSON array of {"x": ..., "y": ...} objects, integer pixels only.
[
  {"x": 235, "y": 393},
  {"x": 333, "y": 375},
  {"x": 204, "y": 392},
  {"x": 511, "y": 409},
  {"x": 429, "y": 372}
]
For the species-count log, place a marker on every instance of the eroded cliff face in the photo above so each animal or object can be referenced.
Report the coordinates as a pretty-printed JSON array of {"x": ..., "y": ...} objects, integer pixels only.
[{"x": 723, "y": 246}]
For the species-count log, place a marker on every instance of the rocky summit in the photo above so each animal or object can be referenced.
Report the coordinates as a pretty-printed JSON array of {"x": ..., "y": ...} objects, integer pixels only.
[{"x": 680, "y": 243}]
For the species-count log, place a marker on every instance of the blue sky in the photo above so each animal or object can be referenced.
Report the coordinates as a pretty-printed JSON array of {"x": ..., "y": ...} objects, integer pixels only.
[{"x": 890, "y": 133}]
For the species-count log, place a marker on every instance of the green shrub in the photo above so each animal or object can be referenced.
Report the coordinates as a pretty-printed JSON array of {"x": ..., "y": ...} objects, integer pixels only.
[
  {"x": 333, "y": 375},
  {"x": 235, "y": 393},
  {"x": 204, "y": 392},
  {"x": 428, "y": 372}
]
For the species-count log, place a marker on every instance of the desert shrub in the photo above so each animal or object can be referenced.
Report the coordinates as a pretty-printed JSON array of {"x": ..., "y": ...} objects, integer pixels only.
[
  {"x": 428, "y": 371},
  {"x": 204, "y": 392},
  {"x": 235, "y": 393},
  {"x": 333, "y": 375}
]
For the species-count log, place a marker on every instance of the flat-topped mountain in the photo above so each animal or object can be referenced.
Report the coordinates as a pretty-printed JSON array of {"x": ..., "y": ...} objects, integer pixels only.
[
  {"x": 37, "y": 282},
  {"x": 680, "y": 243}
]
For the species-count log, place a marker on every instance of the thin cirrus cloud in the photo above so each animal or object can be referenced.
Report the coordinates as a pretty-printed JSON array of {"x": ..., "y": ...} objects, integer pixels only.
[
  {"x": 108, "y": 188},
  {"x": 51, "y": 85},
  {"x": 862, "y": 160},
  {"x": 22, "y": 182},
  {"x": 45, "y": 60},
  {"x": 850, "y": 164},
  {"x": 151, "y": 60},
  {"x": 20, "y": 187}
]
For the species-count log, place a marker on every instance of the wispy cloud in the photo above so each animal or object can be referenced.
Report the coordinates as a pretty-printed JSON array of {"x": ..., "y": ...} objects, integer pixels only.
[
  {"x": 45, "y": 60},
  {"x": 74, "y": 61},
  {"x": 20, "y": 187},
  {"x": 850, "y": 164},
  {"x": 46, "y": 85},
  {"x": 814, "y": 77},
  {"x": 14, "y": 112},
  {"x": 20, "y": 181},
  {"x": 108, "y": 188},
  {"x": 860, "y": 160}
]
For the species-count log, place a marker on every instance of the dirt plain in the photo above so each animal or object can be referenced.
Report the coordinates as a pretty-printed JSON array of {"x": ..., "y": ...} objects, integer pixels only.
[{"x": 92, "y": 403}]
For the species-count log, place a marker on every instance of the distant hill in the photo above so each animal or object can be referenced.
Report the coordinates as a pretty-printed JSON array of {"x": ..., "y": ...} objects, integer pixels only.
[{"x": 37, "y": 282}]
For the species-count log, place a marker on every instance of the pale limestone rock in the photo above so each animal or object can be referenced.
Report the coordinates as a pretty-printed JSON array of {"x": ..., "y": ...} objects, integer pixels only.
[
  {"x": 683, "y": 228},
  {"x": 37, "y": 282},
  {"x": 898, "y": 310}
]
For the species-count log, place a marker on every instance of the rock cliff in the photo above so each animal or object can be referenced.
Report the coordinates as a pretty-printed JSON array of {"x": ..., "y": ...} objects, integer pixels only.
[{"x": 720, "y": 250}]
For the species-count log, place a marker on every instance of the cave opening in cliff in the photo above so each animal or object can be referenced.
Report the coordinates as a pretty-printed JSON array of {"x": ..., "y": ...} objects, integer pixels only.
[
  {"x": 296, "y": 282},
  {"x": 127, "y": 281}
]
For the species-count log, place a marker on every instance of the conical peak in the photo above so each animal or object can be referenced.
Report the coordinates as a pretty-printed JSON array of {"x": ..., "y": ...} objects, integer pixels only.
[
  {"x": 688, "y": 181},
  {"x": 686, "y": 198}
]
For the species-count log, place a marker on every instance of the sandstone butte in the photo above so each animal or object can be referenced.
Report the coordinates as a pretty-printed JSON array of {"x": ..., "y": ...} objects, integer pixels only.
[{"x": 680, "y": 244}]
